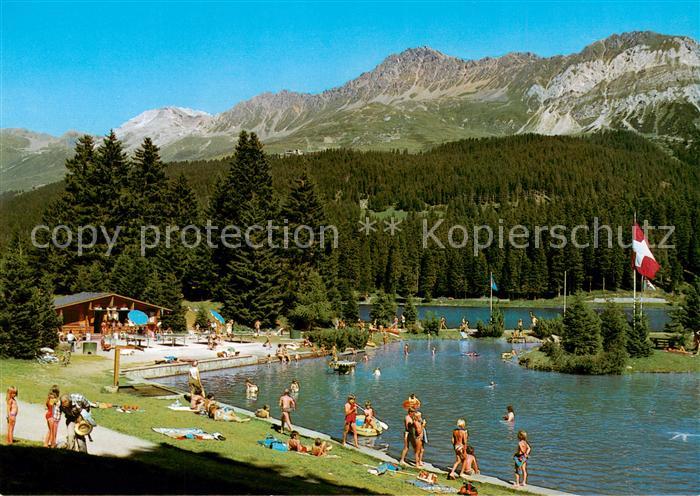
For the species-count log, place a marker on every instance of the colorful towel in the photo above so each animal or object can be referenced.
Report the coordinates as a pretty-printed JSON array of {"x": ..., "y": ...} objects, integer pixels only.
[
  {"x": 432, "y": 488},
  {"x": 189, "y": 433},
  {"x": 273, "y": 443}
]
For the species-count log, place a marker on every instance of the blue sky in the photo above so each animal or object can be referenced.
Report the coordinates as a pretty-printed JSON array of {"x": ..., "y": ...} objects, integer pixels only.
[{"x": 91, "y": 66}]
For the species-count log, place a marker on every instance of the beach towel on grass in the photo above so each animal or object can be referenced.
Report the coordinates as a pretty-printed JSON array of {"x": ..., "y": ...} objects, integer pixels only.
[
  {"x": 432, "y": 488},
  {"x": 273, "y": 443},
  {"x": 189, "y": 433}
]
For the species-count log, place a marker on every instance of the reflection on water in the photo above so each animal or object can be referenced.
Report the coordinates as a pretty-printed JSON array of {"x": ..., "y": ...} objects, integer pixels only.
[{"x": 616, "y": 435}]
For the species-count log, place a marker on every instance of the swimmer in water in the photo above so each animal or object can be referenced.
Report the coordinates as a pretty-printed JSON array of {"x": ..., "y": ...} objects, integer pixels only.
[
  {"x": 377, "y": 372},
  {"x": 294, "y": 386},
  {"x": 250, "y": 388},
  {"x": 434, "y": 350},
  {"x": 510, "y": 414},
  {"x": 491, "y": 385}
]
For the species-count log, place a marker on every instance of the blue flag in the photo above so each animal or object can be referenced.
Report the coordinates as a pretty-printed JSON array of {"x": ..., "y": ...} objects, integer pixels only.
[{"x": 493, "y": 284}]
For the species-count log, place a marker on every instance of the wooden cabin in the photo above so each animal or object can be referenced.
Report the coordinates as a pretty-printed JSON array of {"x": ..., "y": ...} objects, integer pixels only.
[{"x": 85, "y": 312}]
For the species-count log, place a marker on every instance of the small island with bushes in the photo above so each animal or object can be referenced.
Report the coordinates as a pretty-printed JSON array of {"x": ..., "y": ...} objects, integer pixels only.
[{"x": 584, "y": 342}]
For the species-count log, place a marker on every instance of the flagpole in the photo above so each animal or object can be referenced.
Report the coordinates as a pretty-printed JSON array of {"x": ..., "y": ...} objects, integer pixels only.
[
  {"x": 634, "y": 278},
  {"x": 564, "y": 291},
  {"x": 491, "y": 297}
]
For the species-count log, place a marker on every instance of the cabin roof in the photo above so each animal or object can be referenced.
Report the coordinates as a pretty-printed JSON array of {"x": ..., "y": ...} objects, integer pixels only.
[{"x": 75, "y": 299}]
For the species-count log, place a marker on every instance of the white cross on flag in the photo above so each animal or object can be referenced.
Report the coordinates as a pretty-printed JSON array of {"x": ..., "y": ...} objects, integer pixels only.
[{"x": 644, "y": 260}]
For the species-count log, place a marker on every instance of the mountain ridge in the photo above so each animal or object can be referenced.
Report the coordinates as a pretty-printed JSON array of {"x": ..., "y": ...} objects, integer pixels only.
[{"x": 640, "y": 81}]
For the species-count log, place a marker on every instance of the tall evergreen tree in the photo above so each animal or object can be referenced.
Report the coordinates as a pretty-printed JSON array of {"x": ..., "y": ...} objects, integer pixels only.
[
  {"x": 692, "y": 306},
  {"x": 581, "y": 329},
  {"x": 638, "y": 344},
  {"x": 28, "y": 320},
  {"x": 409, "y": 311},
  {"x": 164, "y": 290},
  {"x": 613, "y": 327},
  {"x": 312, "y": 307}
]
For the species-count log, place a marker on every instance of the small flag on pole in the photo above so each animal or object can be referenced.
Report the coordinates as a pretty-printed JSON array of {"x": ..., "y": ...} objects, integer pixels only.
[{"x": 493, "y": 284}]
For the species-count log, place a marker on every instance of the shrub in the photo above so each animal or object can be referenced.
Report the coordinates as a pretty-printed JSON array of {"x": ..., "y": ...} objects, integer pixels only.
[
  {"x": 357, "y": 338},
  {"x": 546, "y": 328},
  {"x": 495, "y": 327},
  {"x": 431, "y": 324}
]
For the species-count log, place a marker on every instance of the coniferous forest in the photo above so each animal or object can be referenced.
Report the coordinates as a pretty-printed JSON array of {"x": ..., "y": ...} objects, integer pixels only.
[{"x": 531, "y": 180}]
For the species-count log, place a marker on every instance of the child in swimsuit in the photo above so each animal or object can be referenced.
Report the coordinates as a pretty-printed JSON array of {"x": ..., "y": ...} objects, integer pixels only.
[
  {"x": 320, "y": 448},
  {"x": 471, "y": 467},
  {"x": 369, "y": 415},
  {"x": 460, "y": 436},
  {"x": 12, "y": 411},
  {"x": 520, "y": 458}
]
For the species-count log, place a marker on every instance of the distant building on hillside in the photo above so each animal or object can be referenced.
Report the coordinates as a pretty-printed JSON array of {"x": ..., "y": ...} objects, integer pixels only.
[{"x": 296, "y": 151}]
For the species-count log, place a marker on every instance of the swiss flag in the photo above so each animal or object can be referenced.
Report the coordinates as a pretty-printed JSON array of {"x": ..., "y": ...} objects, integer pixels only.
[{"x": 644, "y": 260}]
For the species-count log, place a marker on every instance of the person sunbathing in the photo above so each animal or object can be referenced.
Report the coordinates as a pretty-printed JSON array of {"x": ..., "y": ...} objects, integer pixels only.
[
  {"x": 320, "y": 448},
  {"x": 216, "y": 412},
  {"x": 263, "y": 412},
  {"x": 295, "y": 445}
]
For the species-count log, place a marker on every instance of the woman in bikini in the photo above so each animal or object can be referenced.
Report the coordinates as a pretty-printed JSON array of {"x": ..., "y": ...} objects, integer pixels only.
[
  {"x": 295, "y": 445},
  {"x": 460, "y": 436},
  {"x": 51, "y": 401}
]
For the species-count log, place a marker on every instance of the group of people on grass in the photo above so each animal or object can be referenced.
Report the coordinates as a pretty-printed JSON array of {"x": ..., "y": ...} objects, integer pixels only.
[{"x": 72, "y": 407}]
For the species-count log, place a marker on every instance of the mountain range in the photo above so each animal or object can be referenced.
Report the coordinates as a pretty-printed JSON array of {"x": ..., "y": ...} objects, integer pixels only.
[{"x": 639, "y": 81}]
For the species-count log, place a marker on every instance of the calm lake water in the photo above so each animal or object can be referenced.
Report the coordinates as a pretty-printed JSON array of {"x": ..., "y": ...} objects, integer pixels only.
[
  {"x": 454, "y": 314},
  {"x": 633, "y": 434}
]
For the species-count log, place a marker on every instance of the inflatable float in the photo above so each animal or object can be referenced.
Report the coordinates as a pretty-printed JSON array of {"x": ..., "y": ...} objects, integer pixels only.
[{"x": 367, "y": 431}]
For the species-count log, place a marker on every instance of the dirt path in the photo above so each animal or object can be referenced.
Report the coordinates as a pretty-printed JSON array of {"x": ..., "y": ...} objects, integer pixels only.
[{"x": 31, "y": 425}]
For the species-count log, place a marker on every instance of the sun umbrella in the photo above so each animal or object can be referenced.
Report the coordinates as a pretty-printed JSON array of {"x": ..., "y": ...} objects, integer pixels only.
[
  {"x": 217, "y": 316},
  {"x": 138, "y": 317}
]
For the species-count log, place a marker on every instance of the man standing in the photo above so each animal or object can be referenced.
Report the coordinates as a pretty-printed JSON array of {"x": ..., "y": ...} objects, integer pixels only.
[
  {"x": 350, "y": 420},
  {"x": 287, "y": 404},
  {"x": 194, "y": 381},
  {"x": 70, "y": 338},
  {"x": 71, "y": 406}
]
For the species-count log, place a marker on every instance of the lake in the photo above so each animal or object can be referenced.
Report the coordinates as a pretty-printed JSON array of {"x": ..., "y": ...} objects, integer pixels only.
[
  {"x": 628, "y": 434},
  {"x": 454, "y": 314}
]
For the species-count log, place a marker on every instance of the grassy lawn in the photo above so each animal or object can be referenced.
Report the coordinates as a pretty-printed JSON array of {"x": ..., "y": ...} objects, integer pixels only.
[
  {"x": 660, "y": 361},
  {"x": 663, "y": 361},
  {"x": 237, "y": 465}
]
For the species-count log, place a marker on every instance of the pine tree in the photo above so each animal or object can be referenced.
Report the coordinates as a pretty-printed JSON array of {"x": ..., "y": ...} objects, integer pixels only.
[
  {"x": 410, "y": 312},
  {"x": 692, "y": 306},
  {"x": 383, "y": 308},
  {"x": 312, "y": 307},
  {"x": 129, "y": 276},
  {"x": 28, "y": 320},
  {"x": 351, "y": 309},
  {"x": 164, "y": 290},
  {"x": 303, "y": 207},
  {"x": 638, "y": 344},
  {"x": 581, "y": 329},
  {"x": 613, "y": 327}
]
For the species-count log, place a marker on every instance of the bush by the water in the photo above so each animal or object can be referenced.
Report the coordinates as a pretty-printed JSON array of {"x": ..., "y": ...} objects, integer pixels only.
[
  {"x": 431, "y": 324},
  {"x": 341, "y": 338},
  {"x": 495, "y": 327},
  {"x": 409, "y": 311},
  {"x": 545, "y": 328}
]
